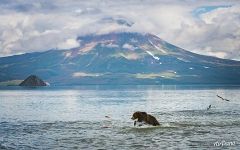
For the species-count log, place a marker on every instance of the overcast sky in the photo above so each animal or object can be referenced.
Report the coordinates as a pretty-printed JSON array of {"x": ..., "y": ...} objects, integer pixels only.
[{"x": 201, "y": 26}]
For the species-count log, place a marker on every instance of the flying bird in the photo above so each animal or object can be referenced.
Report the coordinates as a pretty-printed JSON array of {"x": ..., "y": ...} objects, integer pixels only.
[
  {"x": 209, "y": 107},
  {"x": 222, "y": 98}
]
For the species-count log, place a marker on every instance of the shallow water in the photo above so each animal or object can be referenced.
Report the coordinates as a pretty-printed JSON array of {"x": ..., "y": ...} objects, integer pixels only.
[{"x": 75, "y": 118}]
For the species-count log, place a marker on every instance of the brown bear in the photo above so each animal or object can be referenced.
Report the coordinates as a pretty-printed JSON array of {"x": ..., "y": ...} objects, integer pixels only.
[{"x": 144, "y": 117}]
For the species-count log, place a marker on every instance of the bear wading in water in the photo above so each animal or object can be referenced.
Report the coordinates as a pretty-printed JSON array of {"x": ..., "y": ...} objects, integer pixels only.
[{"x": 143, "y": 117}]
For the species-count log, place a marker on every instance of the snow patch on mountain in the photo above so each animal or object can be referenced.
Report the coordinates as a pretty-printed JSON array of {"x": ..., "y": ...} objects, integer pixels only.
[
  {"x": 133, "y": 40},
  {"x": 67, "y": 54},
  {"x": 157, "y": 47},
  {"x": 88, "y": 47},
  {"x": 109, "y": 45},
  {"x": 129, "y": 46},
  {"x": 155, "y": 57},
  {"x": 182, "y": 59},
  {"x": 128, "y": 56}
]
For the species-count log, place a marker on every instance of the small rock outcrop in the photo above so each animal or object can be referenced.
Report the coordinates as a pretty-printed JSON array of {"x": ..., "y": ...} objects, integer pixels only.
[{"x": 33, "y": 80}]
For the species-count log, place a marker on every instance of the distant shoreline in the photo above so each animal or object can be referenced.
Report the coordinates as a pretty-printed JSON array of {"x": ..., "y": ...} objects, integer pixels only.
[{"x": 123, "y": 86}]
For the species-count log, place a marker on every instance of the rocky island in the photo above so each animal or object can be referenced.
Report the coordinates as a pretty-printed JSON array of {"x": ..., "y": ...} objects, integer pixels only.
[{"x": 33, "y": 80}]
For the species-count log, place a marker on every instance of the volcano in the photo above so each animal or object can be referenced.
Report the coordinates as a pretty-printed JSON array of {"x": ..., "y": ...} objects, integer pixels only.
[{"x": 121, "y": 58}]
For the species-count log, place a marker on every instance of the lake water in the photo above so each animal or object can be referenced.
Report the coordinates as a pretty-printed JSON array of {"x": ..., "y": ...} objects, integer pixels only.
[{"x": 98, "y": 117}]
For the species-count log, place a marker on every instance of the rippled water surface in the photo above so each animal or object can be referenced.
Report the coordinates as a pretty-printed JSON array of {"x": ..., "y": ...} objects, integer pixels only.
[{"x": 98, "y": 117}]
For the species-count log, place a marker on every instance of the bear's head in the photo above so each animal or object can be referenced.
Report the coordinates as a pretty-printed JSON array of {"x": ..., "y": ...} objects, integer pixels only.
[{"x": 139, "y": 115}]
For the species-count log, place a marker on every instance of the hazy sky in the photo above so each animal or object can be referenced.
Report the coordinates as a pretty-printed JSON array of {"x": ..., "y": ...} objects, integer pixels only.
[{"x": 210, "y": 27}]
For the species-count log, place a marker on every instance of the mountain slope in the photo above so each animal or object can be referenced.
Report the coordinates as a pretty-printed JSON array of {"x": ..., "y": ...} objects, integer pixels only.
[{"x": 121, "y": 58}]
